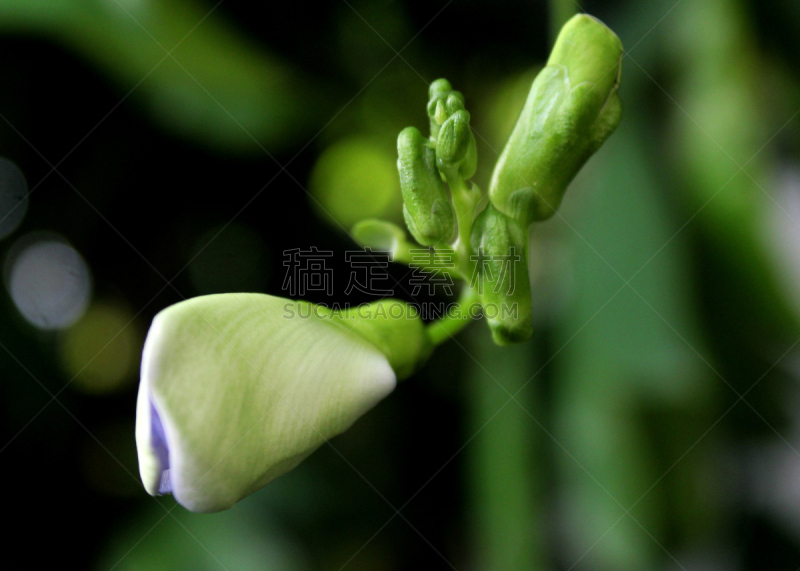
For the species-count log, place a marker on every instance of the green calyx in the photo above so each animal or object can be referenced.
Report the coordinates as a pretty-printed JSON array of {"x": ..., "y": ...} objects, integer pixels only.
[
  {"x": 572, "y": 108},
  {"x": 395, "y": 328},
  {"x": 501, "y": 245}
]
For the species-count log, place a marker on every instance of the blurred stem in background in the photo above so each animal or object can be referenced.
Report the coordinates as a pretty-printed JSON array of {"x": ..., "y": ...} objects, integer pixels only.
[
  {"x": 721, "y": 139},
  {"x": 506, "y": 464},
  {"x": 560, "y": 12},
  {"x": 502, "y": 473},
  {"x": 630, "y": 394}
]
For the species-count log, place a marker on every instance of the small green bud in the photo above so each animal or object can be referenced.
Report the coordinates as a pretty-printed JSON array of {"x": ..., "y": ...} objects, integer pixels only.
[
  {"x": 379, "y": 234},
  {"x": 432, "y": 105},
  {"x": 453, "y": 141},
  {"x": 441, "y": 113},
  {"x": 427, "y": 209},
  {"x": 442, "y": 103},
  {"x": 455, "y": 146},
  {"x": 572, "y": 108},
  {"x": 502, "y": 275},
  {"x": 455, "y": 102},
  {"x": 438, "y": 87}
]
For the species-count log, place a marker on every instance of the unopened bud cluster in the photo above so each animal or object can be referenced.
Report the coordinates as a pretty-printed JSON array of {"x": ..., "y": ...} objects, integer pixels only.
[
  {"x": 425, "y": 164},
  {"x": 572, "y": 108}
]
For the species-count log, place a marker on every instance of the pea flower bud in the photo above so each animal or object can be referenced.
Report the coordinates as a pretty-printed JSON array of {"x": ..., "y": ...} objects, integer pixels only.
[
  {"x": 442, "y": 103},
  {"x": 437, "y": 109},
  {"x": 439, "y": 87},
  {"x": 572, "y": 108},
  {"x": 427, "y": 209},
  {"x": 237, "y": 389},
  {"x": 502, "y": 275},
  {"x": 455, "y": 147},
  {"x": 454, "y": 102}
]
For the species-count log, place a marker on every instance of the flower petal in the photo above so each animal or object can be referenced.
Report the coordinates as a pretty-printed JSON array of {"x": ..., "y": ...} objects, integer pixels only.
[{"x": 237, "y": 389}]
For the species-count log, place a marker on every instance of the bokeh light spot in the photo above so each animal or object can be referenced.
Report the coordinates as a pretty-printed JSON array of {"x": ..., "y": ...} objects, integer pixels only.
[
  {"x": 13, "y": 197},
  {"x": 356, "y": 179},
  {"x": 100, "y": 351},
  {"x": 48, "y": 280}
]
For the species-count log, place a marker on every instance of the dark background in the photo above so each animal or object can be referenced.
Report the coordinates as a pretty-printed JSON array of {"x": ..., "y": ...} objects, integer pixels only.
[{"x": 660, "y": 429}]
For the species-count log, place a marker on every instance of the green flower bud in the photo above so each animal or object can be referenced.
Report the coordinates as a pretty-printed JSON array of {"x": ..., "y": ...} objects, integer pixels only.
[
  {"x": 502, "y": 275},
  {"x": 379, "y": 235},
  {"x": 238, "y": 389},
  {"x": 442, "y": 103},
  {"x": 440, "y": 115},
  {"x": 439, "y": 87},
  {"x": 455, "y": 102},
  {"x": 572, "y": 108},
  {"x": 453, "y": 141},
  {"x": 427, "y": 209},
  {"x": 455, "y": 147}
]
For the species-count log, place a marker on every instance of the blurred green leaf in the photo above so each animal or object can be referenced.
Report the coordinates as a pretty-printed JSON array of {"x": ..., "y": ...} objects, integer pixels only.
[
  {"x": 720, "y": 137},
  {"x": 200, "y": 78},
  {"x": 623, "y": 355},
  {"x": 240, "y": 539}
]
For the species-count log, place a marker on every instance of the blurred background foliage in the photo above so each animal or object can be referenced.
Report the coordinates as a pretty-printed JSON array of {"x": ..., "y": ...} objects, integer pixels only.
[{"x": 154, "y": 151}]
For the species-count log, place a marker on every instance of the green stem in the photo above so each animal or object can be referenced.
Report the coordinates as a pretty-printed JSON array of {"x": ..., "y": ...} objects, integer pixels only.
[
  {"x": 456, "y": 319},
  {"x": 465, "y": 201},
  {"x": 459, "y": 316},
  {"x": 507, "y": 520},
  {"x": 403, "y": 255}
]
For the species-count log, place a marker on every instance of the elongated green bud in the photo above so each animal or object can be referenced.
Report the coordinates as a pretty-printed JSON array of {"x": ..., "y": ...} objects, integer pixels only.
[
  {"x": 427, "y": 208},
  {"x": 501, "y": 277},
  {"x": 453, "y": 140},
  {"x": 572, "y": 108}
]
